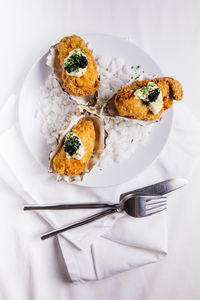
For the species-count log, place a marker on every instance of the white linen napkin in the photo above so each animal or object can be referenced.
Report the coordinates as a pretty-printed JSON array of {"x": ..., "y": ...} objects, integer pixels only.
[{"x": 115, "y": 243}]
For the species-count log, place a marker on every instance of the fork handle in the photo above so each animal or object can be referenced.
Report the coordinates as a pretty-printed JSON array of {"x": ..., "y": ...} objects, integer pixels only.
[
  {"x": 68, "y": 206},
  {"x": 83, "y": 222}
]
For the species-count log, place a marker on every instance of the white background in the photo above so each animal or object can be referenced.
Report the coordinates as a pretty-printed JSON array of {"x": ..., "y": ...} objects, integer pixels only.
[{"x": 170, "y": 32}]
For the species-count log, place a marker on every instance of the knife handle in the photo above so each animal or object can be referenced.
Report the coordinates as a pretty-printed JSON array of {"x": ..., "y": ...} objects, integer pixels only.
[{"x": 69, "y": 206}]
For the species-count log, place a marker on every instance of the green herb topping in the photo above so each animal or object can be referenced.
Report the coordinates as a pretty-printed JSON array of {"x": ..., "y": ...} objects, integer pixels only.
[
  {"x": 144, "y": 91},
  {"x": 71, "y": 144},
  {"x": 75, "y": 61},
  {"x": 148, "y": 93}
]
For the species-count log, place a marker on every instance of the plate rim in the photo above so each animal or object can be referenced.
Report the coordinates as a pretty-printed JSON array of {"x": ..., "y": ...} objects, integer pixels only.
[{"x": 20, "y": 111}]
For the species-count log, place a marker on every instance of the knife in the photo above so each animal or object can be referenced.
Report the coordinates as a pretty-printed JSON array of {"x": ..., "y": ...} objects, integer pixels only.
[{"x": 159, "y": 189}]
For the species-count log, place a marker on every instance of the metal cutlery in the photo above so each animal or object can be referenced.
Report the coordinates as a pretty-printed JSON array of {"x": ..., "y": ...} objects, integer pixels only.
[
  {"x": 138, "y": 203},
  {"x": 135, "y": 206}
]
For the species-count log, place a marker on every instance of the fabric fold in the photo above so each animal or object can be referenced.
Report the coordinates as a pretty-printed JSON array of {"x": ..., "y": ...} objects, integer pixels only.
[{"x": 113, "y": 244}]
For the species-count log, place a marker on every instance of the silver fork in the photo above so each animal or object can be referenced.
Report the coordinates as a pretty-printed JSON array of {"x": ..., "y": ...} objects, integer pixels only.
[{"x": 134, "y": 205}]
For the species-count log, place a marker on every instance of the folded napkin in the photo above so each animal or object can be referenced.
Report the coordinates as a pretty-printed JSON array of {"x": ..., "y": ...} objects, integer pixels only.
[{"x": 112, "y": 244}]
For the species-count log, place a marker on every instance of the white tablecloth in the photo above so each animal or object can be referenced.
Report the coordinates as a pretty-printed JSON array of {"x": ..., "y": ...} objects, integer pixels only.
[{"x": 170, "y": 32}]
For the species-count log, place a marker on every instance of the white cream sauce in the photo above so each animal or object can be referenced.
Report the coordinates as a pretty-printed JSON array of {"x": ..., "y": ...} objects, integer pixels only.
[
  {"x": 143, "y": 93},
  {"x": 81, "y": 71}
]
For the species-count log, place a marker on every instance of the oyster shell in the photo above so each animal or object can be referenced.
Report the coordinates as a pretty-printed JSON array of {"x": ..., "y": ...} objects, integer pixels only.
[
  {"x": 109, "y": 110},
  {"x": 53, "y": 62},
  {"x": 152, "y": 99},
  {"x": 98, "y": 146}
]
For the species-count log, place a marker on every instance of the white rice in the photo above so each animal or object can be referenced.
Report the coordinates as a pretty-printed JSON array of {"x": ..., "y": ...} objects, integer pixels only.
[{"x": 56, "y": 108}]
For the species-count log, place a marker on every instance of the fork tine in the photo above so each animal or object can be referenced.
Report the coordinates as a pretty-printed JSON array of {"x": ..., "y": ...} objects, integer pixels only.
[
  {"x": 156, "y": 206},
  {"x": 155, "y": 212},
  {"x": 155, "y": 197},
  {"x": 157, "y": 202}
]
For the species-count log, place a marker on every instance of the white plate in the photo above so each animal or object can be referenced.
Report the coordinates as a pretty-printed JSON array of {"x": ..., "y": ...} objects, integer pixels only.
[{"x": 118, "y": 173}]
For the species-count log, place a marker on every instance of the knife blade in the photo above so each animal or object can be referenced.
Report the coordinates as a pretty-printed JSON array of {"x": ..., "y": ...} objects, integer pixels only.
[{"x": 160, "y": 188}]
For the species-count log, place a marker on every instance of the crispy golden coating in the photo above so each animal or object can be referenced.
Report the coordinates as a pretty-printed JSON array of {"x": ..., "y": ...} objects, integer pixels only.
[
  {"x": 85, "y": 85},
  {"x": 71, "y": 166},
  {"x": 128, "y": 105}
]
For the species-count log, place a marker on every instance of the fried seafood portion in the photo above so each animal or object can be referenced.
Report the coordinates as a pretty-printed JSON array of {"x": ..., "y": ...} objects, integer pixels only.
[
  {"x": 73, "y": 157},
  {"x": 147, "y": 99},
  {"x": 79, "y": 70}
]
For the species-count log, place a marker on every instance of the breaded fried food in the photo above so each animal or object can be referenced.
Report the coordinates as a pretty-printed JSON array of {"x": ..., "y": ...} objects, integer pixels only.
[
  {"x": 147, "y": 99},
  {"x": 77, "y": 85},
  {"x": 62, "y": 164}
]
